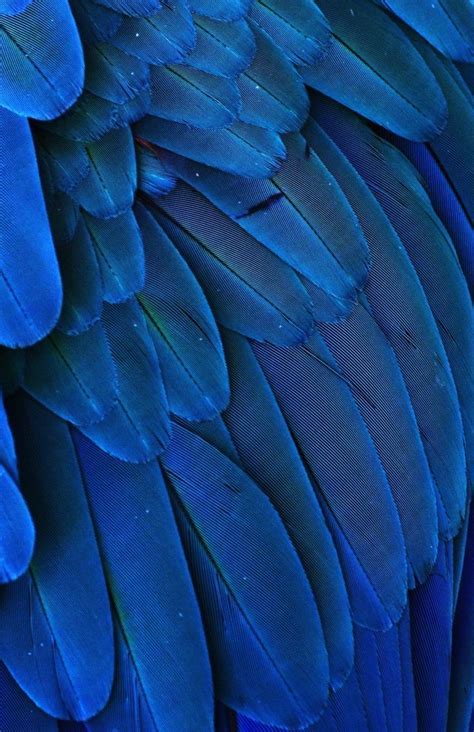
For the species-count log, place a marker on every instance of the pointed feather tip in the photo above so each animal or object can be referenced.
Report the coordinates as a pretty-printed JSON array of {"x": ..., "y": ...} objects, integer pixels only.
[{"x": 17, "y": 533}]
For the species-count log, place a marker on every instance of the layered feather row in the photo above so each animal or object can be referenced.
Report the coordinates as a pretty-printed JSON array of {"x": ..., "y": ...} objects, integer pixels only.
[{"x": 236, "y": 362}]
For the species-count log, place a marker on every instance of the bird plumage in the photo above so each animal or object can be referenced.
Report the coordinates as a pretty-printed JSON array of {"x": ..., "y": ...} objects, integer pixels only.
[{"x": 236, "y": 346}]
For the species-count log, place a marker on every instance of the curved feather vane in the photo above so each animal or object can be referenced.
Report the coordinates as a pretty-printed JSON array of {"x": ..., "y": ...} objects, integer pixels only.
[
  {"x": 119, "y": 250},
  {"x": 108, "y": 191},
  {"x": 289, "y": 205},
  {"x": 372, "y": 67},
  {"x": 416, "y": 223},
  {"x": 41, "y": 59},
  {"x": 273, "y": 94},
  {"x": 222, "y": 48},
  {"x": 232, "y": 282},
  {"x": 241, "y": 149},
  {"x": 182, "y": 328},
  {"x": 225, "y": 518},
  {"x": 162, "y": 38},
  {"x": 58, "y": 374},
  {"x": 30, "y": 296},
  {"x": 301, "y": 30},
  {"x": 59, "y": 613},
  {"x": 157, "y": 613},
  {"x": 136, "y": 428},
  {"x": 253, "y": 416},
  {"x": 17, "y": 533},
  {"x": 236, "y": 346},
  {"x": 447, "y": 24}
]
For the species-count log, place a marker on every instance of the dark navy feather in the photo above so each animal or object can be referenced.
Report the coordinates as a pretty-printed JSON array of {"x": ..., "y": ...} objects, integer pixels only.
[{"x": 82, "y": 300}]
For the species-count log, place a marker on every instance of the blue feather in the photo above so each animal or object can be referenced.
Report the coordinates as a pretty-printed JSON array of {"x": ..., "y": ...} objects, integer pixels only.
[
  {"x": 192, "y": 97},
  {"x": 82, "y": 302},
  {"x": 86, "y": 121},
  {"x": 109, "y": 188},
  {"x": 63, "y": 214},
  {"x": 431, "y": 627},
  {"x": 114, "y": 75},
  {"x": 372, "y": 68},
  {"x": 136, "y": 429},
  {"x": 447, "y": 24},
  {"x": 166, "y": 661},
  {"x": 13, "y": 7},
  {"x": 17, "y": 533},
  {"x": 73, "y": 376},
  {"x": 223, "y": 49},
  {"x": 249, "y": 289},
  {"x": 255, "y": 618},
  {"x": 56, "y": 631},
  {"x": 66, "y": 161},
  {"x": 141, "y": 8},
  {"x": 254, "y": 418},
  {"x": 119, "y": 250},
  {"x": 316, "y": 401},
  {"x": 403, "y": 314},
  {"x": 445, "y": 202},
  {"x": 425, "y": 368},
  {"x": 133, "y": 110},
  {"x": 30, "y": 286},
  {"x": 240, "y": 149},
  {"x": 272, "y": 91},
  {"x": 462, "y": 669},
  {"x": 96, "y": 24},
  {"x": 41, "y": 60},
  {"x": 164, "y": 38},
  {"x": 182, "y": 327},
  {"x": 300, "y": 28},
  {"x": 220, "y": 9},
  {"x": 289, "y": 215},
  {"x": 153, "y": 177},
  {"x": 17, "y": 711},
  {"x": 454, "y": 149}
]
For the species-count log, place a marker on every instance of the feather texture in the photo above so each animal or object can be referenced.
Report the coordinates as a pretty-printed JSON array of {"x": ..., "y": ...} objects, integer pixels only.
[
  {"x": 41, "y": 60},
  {"x": 30, "y": 286}
]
